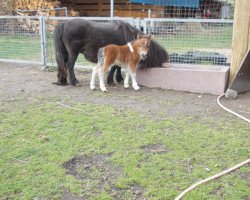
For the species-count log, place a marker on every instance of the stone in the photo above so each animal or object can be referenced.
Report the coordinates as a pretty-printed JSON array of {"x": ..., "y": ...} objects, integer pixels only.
[{"x": 231, "y": 94}]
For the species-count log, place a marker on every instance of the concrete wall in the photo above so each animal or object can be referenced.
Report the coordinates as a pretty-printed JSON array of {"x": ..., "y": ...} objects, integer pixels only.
[{"x": 186, "y": 77}]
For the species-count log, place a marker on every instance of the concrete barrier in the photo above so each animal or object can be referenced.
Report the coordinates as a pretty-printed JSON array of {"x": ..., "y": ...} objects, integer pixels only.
[{"x": 186, "y": 77}]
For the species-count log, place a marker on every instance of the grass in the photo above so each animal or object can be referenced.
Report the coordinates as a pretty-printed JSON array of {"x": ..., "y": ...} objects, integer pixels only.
[
  {"x": 194, "y": 42},
  {"x": 27, "y": 47},
  {"x": 37, "y": 138}
]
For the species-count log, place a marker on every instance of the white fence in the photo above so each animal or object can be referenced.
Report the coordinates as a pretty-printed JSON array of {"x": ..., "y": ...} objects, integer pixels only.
[{"x": 201, "y": 41}]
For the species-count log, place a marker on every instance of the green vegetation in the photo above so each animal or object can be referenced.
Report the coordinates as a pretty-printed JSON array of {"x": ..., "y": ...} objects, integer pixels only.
[
  {"x": 37, "y": 138},
  {"x": 213, "y": 39},
  {"x": 25, "y": 47}
]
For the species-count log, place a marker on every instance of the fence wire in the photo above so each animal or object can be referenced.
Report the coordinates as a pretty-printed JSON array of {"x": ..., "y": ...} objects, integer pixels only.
[
  {"x": 197, "y": 41},
  {"x": 20, "y": 39},
  {"x": 194, "y": 41}
]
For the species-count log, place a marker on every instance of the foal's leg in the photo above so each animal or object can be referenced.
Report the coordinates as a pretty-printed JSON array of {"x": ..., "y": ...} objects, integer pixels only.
[
  {"x": 126, "y": 80},
  {"x": 132, "y": 71},
  {"x": 101, "y": 78},
  {"x": 92, "y": 82}
]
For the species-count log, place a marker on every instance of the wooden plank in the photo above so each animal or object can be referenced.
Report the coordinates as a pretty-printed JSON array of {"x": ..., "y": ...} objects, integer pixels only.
[
  {"x": 95, "y": 13},
  {"x": 100, "y": 6},
  {"x": 127, "y": 13},
  {"x": 241, "y": 35},
  {"x": 122, "y": 8},
  {"x": 116, "y": 7}
]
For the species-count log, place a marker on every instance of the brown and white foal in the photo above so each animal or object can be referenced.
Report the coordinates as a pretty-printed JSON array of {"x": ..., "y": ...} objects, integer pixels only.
[{"x": 127, "y": 56}]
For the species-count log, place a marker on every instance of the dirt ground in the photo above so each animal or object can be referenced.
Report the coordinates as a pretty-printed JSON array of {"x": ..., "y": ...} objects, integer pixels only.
[{"x": 28, "y": 81}]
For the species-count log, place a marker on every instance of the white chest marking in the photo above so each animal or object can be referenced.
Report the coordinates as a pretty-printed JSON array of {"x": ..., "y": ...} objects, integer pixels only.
[{"x": 130, "y": 47}]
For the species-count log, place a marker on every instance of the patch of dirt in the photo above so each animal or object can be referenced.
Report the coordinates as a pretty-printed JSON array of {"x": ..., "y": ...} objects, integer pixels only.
[
  {"x": 69, "y": 196},
  {"x": 245, "y": 176},
  {"x": 79, "y": 165},
  {"x": 30, "y": 83},
  {"x": 98, "y": 170},
  {"x": 156, "y": 148}
]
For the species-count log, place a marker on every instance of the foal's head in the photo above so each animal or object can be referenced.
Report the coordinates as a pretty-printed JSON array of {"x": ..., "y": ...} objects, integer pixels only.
[{"x": 142, "y": 43}]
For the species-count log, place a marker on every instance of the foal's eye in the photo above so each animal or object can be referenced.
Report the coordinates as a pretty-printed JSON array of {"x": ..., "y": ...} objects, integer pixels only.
[{"x": 139, "y": 45}]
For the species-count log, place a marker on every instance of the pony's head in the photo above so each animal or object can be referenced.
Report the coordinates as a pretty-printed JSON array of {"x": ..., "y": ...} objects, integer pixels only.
[{"x": 142, "y": 45}]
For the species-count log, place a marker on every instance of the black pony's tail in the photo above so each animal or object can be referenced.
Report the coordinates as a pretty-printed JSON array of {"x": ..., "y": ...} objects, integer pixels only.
[{"x": 61, "y": 55}]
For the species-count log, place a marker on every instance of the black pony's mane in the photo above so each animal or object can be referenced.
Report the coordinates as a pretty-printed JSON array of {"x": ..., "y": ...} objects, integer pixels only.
[{"x": 157, "y": 55}]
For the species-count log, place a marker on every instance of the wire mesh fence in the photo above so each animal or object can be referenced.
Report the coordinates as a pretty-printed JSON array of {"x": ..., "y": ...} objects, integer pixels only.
[
  {"x": 195, "y": 41},
  {"x": 20, "y": 39},
  {"x": 198, "y": 41}
]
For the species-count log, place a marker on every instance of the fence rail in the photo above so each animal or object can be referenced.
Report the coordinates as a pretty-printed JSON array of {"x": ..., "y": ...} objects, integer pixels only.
[{"x": 29, "y": 39}]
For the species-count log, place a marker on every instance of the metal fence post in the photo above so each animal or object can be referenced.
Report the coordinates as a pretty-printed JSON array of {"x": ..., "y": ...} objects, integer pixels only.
[
  {"x": 138, "y": 23},
  {"x": 144, "y": 23},
  {"x": 43, "y": 40},
  {"x": 111, "y": 8}
]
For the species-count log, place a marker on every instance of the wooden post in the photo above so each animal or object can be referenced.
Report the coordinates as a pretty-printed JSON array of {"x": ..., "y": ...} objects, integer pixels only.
[
  {"x": 241, "y": 35},
  {"x": 100, "y": 8}
]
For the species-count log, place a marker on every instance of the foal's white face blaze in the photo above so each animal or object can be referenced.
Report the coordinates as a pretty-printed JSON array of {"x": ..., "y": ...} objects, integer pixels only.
[{"x": 144, "y": 43}]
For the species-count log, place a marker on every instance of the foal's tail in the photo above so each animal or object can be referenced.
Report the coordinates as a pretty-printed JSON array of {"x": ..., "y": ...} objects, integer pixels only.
[{"x": 61, "y": 55}]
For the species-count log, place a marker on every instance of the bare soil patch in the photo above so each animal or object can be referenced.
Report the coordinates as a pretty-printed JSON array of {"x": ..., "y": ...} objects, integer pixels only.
[
  {"x": 99, "y": 170},
  {"x": 28, "y": 81}
]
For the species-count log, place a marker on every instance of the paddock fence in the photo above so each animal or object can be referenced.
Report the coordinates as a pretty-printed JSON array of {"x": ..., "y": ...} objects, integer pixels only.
[{"x": 29, "y": 39}]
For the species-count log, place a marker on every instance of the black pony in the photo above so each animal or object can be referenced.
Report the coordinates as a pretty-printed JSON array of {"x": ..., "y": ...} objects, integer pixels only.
[{"x": 86, "y": 37}]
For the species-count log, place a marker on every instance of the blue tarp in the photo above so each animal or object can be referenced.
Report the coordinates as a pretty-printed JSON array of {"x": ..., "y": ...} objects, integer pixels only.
[{"x": 177, "y": 3}]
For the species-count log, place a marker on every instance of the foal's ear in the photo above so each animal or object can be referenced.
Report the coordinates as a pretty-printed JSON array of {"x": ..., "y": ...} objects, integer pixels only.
[{"x": 139, "y": 35}]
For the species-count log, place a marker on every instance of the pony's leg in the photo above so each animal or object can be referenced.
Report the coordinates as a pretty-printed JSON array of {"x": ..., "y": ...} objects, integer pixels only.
[
  {"x": 126, "y": 80},
  {"x": 101, "y": 79},
  {"x": 132, "y": 71},
  {"x": 71, "y": 63},
  {"x": 93, "y": 77},
  {"x": 110, "y": 78},
  {"x": 62, "y": 73},
  {"x": 118, "y": 75}
]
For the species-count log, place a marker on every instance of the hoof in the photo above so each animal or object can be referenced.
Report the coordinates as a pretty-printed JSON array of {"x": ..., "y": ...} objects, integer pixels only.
[
  {"x": 77, "y": 85},
  {"x": 59, "y": 83},
  {"x": 104, "y": 90},
  {"x": 126, "y": 86},
  {"x": 92, "y": 87},
  {"x": 119, "y": 80},
  {"x": 110, "y": 81},
  {"x": 136, "y": 87},
  {"x": 111, "y": 84}
]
